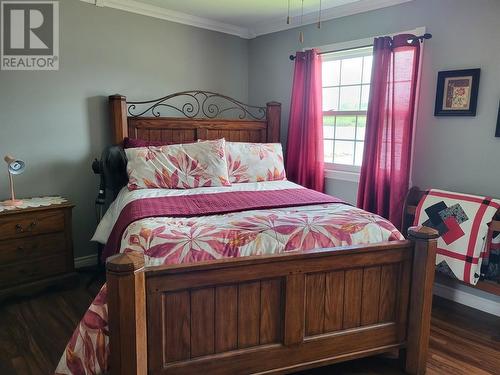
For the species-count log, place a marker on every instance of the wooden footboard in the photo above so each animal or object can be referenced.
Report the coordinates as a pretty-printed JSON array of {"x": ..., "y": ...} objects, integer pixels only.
[{"x": 272, "y": 314}]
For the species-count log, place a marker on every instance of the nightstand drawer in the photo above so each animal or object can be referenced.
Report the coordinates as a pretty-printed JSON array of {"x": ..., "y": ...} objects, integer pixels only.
[
  {"x": 28, "y": 271},
  {"x": 29, "y": 224},
  {"x": 25, "y": 249}
]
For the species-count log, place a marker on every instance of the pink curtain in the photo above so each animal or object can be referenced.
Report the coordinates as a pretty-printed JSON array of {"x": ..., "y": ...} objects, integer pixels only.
[
  {"x": 305, "y": 159},
  {"x": 385, "y": 172}
]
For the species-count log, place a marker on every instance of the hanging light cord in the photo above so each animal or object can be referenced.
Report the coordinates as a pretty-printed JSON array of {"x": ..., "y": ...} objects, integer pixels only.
[
  {"x": 288, "y": 14},
  {"x": 302, "y": 14},
  {"x": 319, "y": 15},
  {"x": 301, "y": 34}
]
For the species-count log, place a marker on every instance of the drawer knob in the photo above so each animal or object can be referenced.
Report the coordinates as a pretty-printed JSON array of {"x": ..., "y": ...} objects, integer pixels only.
[
  {"x": 33, "y": 247},
  {"x": 20, "y": 229}
]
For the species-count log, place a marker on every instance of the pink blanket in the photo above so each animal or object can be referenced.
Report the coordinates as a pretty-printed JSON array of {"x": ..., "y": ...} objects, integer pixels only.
[{"x": 210, "y": 204}]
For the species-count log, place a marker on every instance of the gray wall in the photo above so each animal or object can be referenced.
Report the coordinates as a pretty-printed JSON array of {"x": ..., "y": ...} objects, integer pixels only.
[
  {"x": 346, "y": 190},
  {"x": 58, "y": 121},
  {"x": 453, "y": 153}
]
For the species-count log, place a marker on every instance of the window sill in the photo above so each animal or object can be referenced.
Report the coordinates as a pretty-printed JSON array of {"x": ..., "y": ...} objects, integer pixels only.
[{"x": 342, "y": 175}]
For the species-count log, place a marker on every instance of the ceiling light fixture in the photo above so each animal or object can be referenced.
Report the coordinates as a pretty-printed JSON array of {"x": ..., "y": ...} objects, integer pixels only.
[{"x": 289, "y": 19}]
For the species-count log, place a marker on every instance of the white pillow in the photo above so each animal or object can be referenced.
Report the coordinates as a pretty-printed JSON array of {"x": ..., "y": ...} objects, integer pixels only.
[
  {"x": 255, "y": 162},
  {"x": 180, "y": 166}
]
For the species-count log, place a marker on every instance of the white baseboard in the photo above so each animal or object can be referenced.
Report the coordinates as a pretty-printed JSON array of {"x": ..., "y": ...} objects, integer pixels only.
[
  {"x": 467, "y": 299},
  {"x": 86, "y": 261}
]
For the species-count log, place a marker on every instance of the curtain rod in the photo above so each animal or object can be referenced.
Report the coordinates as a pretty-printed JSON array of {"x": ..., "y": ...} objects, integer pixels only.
[{"x": 419, "y": 38}]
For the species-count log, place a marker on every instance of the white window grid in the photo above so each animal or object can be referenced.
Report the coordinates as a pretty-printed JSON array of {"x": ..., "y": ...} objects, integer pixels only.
[{"x": 343, "y": 55}]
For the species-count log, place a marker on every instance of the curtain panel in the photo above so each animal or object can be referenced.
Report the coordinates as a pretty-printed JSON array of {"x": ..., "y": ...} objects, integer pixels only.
[
  {"x": 304, "y": 156},
  {"x": 385, "y": 172}
]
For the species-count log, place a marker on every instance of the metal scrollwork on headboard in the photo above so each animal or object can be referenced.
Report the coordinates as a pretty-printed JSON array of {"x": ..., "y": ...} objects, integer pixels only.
[{"x": 198, "y": 104}]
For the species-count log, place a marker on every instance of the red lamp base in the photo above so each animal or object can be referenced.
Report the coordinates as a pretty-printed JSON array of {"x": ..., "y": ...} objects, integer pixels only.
[{"x": 11, "y": 202}]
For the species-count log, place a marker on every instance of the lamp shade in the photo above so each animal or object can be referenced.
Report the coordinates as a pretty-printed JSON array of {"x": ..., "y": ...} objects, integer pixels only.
[{"x": 15, "y": 166}]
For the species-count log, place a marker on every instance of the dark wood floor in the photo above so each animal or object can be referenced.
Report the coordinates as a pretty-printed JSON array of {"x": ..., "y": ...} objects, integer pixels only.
[{"x": 35, "y": 330}]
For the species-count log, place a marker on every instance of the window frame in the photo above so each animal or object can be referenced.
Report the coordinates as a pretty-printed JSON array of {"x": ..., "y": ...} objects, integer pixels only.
[
  {"x": 347, "y": 53},
  {"x": 348, "y": 172}
]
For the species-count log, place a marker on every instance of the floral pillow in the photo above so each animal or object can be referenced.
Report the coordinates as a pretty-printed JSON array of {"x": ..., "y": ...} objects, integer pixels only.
[
  {"x": 181, "y": 166},
  {"x": 255, "y": 162}
]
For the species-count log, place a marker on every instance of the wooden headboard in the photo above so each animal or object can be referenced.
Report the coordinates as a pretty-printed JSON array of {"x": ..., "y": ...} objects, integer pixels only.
[{"x": 203, "y": 115}]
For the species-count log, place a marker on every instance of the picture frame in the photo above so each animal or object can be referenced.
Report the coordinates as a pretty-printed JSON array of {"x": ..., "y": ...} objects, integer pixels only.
[
  {"x": 497, "y": 132},
  {"x": 456, "y": 92}
]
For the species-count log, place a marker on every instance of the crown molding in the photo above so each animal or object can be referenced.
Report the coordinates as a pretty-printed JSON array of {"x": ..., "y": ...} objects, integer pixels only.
[
  {"x": 361, "y": 6},
  {"x": 261, "y": 28},
  {"x": 137, "y": 7}
]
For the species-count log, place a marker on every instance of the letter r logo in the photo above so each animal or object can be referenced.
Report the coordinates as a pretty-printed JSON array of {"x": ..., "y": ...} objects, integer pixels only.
[
  {"x": 18, "y": 29},
  {"x": 27, "y": 28},
  {"x": 29, "y": 35}
]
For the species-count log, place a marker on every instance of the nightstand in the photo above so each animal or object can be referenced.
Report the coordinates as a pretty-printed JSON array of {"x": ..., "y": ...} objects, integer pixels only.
[{"x": 36, "y": 248}]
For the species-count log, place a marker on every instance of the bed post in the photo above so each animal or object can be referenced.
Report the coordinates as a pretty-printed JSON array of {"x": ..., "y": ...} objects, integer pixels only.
[
  {"x": 273, "y": 115},
  {"x": 118, "y": 110},
  {"x": 127, "y": 314},
  {"x": 422, "y": 280}
]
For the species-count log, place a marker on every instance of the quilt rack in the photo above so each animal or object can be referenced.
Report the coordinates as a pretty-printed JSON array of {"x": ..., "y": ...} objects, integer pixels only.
[{"x": 412, "y": 199}]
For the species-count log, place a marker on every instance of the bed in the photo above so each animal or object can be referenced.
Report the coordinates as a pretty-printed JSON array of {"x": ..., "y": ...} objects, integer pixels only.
[{"x": 350, "y": 293}]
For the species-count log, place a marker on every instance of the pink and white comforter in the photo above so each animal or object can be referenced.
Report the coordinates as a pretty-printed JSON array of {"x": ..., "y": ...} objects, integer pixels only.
[{"x": 167, "y": 240}]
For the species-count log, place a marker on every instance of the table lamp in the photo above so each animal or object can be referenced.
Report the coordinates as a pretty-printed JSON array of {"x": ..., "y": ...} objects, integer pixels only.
[{"x": 14, "y": 166}]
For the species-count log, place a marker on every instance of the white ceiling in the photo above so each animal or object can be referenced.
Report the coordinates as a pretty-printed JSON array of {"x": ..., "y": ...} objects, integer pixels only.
[{"x": 245, "y": 18}]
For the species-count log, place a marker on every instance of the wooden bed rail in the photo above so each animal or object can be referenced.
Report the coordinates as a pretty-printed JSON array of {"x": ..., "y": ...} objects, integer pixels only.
[{"x": 272, "y": 314}]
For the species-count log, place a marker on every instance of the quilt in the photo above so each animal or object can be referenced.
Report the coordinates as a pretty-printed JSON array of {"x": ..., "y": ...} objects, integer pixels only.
[
  {"x": 462, "y": 222},
  {"x": 210, "y": 204}
]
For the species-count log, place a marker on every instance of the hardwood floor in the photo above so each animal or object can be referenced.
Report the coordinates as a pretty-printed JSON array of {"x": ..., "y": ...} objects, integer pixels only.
[{"x": 34, "y": 332}]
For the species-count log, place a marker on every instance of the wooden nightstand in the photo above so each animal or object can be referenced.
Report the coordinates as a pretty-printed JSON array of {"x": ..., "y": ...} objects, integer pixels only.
[{"x": 36, "y": 249}]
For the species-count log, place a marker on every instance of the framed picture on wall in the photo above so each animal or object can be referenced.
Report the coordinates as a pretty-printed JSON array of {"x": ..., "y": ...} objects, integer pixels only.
[
  {"x": 497, "y": 133},
  {"x": 456, "y": 93}
]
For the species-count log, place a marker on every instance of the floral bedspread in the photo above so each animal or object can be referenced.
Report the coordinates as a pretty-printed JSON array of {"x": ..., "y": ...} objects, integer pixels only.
[{"x": 180, "y": 240}]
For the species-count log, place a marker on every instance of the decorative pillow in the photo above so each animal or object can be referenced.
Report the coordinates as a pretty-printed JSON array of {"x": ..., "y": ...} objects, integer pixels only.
[
  {"x": 254, "y": 162},
  {"x": 182, "y": 166}
]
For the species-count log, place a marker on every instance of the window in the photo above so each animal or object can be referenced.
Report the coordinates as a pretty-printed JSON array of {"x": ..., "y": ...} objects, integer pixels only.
[{"x": 346, "y": 86}]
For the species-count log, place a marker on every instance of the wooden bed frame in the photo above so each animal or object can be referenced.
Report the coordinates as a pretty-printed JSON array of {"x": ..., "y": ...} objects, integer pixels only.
[
  {"x": 412, "y": 199},
  {"x": 265, "y": 314}
]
